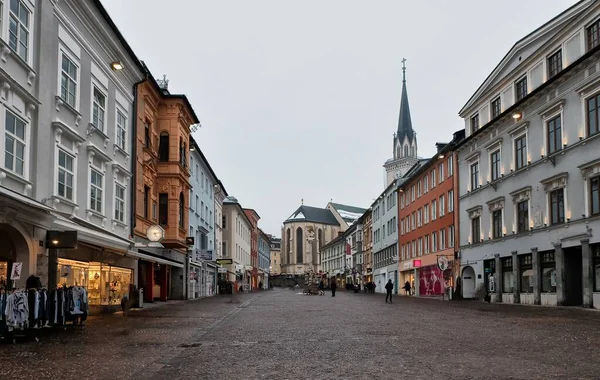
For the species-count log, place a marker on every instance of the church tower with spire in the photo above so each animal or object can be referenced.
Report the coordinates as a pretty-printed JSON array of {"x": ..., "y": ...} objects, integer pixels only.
[{"x": 405, "y": 140}]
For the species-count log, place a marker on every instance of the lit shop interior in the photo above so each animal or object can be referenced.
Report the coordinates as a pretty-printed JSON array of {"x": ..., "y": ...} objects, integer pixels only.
[{"x": 105, "y": 284}]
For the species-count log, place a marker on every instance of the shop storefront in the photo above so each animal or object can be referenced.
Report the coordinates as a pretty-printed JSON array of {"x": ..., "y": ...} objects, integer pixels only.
[
  {"x": 196, "y": 278},
  {"x": 210, "y": 279},
  {"x": 155, "y": 274}
]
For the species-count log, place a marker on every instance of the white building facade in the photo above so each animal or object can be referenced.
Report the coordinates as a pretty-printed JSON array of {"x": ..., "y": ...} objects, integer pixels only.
[
  {"x": 385, "y": 238},
  {"x": 529, "y": 169},
  {"x": 237, "y": 238}
]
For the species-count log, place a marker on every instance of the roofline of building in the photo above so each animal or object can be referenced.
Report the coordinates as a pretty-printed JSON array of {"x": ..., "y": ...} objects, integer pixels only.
[
  {"x": 334, "y": 241},
  {"x": 254, "y": 211},
  {"x": 203, "y": 157},
  {"x": 530, "y": 96},
  {"x": 242, "y": 209}
]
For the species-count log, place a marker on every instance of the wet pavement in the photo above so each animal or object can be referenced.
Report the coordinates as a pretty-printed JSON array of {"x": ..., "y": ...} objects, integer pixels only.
[{"x": 280, "y": 334}]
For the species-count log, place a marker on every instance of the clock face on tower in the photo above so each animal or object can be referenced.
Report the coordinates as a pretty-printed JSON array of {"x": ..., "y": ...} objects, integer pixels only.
[{"x": 155, "y": 233}]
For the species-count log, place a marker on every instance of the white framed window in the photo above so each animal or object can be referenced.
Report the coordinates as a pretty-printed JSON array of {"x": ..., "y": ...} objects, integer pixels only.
[
  {"x": 442, "y": 206},
  {"x": 420, "y": 246},
  {"x": 419, "y": 189},
  {"x": 441, "y": 171},
  {"x": 121, "y": 130},
  {"x": 443, "y": 238},
  {"x": 426, "y": 184},
  {"x": 69, "y": 78},
  {"x": 474, "y": 174},
  {"x": 15, "y": 144},
  {"x": 433, "y": 183},
  {"x": 412, "y": 221},
  {"x": 451, "y": 201},
  {"x": 451, "y": 236},
  {"x": 520, "y": 146},
  {"x": 450, "y": 167},
  {"x": 19, "y": 28},
  {"x": 425, "y": 214},
  {"x": 98, "y": 108},
  {"x": 426, "y": 241},
  {"x": 433, "y": 242},
  {"x": 433, "y": 210},
  {"x": 119, "y": 202},
  {"x": 66, "y": 174},
  {"x": 96, "y": 190},
  {"x": 419, "y": 217}
]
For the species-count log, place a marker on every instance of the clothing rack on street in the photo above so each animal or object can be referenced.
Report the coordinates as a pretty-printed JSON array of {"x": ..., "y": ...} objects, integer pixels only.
[{"x": 24, "y": 313}]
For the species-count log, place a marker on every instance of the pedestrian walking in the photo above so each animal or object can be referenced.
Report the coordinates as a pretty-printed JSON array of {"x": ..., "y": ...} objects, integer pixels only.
[
  {"x": 407, "y": 288},
  {"x": 260, "y": 286},
  {"x": 388, "y": 291},
  {"x": 333, "y": 287},
  {"x": 321, "y": 288}
]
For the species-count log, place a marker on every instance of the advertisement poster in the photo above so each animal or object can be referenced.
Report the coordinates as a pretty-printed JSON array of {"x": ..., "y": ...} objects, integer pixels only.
[{"x": 431, "y": 281}]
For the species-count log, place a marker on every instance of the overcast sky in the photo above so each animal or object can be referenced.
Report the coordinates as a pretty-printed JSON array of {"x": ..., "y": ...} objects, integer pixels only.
[{"x": 299, "y": 99}]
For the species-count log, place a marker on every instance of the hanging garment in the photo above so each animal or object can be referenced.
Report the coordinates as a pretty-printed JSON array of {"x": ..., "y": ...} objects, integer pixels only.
[{"x": 17, "y": 310}]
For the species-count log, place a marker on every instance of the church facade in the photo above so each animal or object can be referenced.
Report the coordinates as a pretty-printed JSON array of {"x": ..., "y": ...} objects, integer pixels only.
[{"x": 405, "y": 141}]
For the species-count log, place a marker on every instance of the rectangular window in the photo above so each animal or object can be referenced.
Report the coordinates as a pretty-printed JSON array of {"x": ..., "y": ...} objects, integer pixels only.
[
  {"x": 520, "y": 152},
  {"x": 96, "y": 188},
  {"x": 443, "y": 239},
  {"x": 554, "y": 135},
  {"x": 508, "y": 277},
  {"x": 163, "y": 209},
  {"x": 147, "y": 135},
  {"x": 433, "y": 178},
  {"x": 419, "y": 189},
  {"x": 426, "y": 241},
  {"x": 526, "y": 269},
  {"x": 495, "y": 165},
  {"x": 441, "y": 172},
  {"x": 548, "y": 272},
  {"x": 146, "y": 201},
  {"x": 14, "y": 144},
  {"x": 593, "y": 113},
  {"x": 523, "y": 216},
  {"x": 433, "y": 242},
  {"x": 593, "y": 35},
  {"x": 426, "y": 184},
  {"x": 18, "y": 28},
  {"x": 68, "y": 81},
  {"x": 419, "y": 217},
  {"x": 420, "y": 247},
  {"x": 224, "y": 222},
  {"x": 426, "y": 214},
  {"x": 595, "y": 196},
  {"x": 451, "y": 236},
  {"x": 121, "y": 130},
  {"x": 557, "y": 206},
  {"x": 497, "y": 224},
  {"x": 521, "y": 88},
  {"x": 99, "y": 109},
  {"x": 450, "y": 167},
  {"x": 554, "y": 64},
  {"x": 442, "y": 206},
  {"x": 451, "y": 201},
  {"x": 496, "y": 109},
  {"x": 119, "y": 203},
  {"x": 476, "y": 229},
  {"x": 65, "y": 174},
  {"x": 474, "y": 176},
  {"x": 433, "y": 210},
  {"x": 474, "y": 123}
]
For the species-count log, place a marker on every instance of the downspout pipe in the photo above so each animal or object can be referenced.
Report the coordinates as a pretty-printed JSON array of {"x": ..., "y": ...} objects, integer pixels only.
[{"x": 134, "y": 137}]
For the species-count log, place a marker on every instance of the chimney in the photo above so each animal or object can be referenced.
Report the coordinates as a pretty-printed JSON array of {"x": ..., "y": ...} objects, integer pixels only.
[{"x": 440, "y": 146}]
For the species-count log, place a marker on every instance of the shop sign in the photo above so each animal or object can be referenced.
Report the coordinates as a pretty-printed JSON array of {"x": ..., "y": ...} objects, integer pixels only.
[
  {"x": 222, "y": 270},
  {"x": 417, "y": 263},
  {"x": 15, "y": 274},
  {"x": 408, "y": 265},
  {"x": 225, "y": 261}
]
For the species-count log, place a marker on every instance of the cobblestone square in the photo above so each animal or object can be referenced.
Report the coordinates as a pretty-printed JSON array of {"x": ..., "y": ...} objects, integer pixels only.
[{"x": 280, "y": 334}]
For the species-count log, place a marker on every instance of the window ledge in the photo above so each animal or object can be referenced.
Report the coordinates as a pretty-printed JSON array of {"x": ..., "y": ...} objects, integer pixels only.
[
  {"x": 95, "y": 213},
  {"x": 120, "y": 150},
  {"x": 27, "y": 185},
  {"x": 118, "y": 223},
  {"x": 60, "y": 103},
  {"x": 5, "y": 51},
  {"x": 91, "y": 129},
  {"x": 66, "y": 201}
]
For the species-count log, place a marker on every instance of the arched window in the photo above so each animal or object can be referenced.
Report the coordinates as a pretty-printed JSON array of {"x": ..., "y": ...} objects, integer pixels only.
[
  {"x": 299, "y": 247},
  {"x": 181, "y": 210},
  {"x": 320, "y": 237},
  {"x": 163, "y": 147},
  {"x": 288, "y": 246},
  {"x": 405, "y": 150}
]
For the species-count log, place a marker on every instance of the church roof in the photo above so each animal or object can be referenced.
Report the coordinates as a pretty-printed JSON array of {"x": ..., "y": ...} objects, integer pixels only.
[
  {"x": 404, "y": 121},
  {"x": 350, "y": 214},
  {"x": 314, "y": 215}
]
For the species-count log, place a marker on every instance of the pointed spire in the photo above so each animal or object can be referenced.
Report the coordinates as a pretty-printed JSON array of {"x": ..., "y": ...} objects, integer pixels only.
[{"x": 404, "y": 120}]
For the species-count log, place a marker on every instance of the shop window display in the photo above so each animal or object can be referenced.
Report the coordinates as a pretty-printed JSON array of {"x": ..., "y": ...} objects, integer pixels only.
[{"x": 106, "y": 285}]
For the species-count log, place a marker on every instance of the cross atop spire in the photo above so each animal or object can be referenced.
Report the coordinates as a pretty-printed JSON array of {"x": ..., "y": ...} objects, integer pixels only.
[{"x": 403, "y": 70}]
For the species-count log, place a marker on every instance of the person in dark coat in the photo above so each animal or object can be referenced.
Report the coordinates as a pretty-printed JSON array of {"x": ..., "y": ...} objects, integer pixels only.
[
  {"x": 333, "y": 287},
  {"x": 388, "y": 291},
  {"x": 407, "y": 288}
]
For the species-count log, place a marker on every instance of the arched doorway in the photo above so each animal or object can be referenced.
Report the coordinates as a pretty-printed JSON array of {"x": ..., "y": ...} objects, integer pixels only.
[
  {"x": 13, "y": 248},
  {"x": 468, "y": 282}
]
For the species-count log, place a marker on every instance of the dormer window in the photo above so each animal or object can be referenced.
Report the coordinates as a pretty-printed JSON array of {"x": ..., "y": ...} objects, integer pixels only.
[
  {"x": 555, "y": 64},
  {"x": 474, "y": 123},
  {"x": 593, "y": 35}
]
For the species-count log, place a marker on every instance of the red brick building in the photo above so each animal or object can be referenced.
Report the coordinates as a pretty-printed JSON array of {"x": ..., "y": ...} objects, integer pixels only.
[
  {"x": 426, "y": 215},
  {"x": 254, "y": 218}
]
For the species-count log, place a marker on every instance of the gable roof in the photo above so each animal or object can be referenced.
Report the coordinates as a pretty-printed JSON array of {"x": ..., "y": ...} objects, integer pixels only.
[
  {"x": 556, "y": 22},
  {"x": 350, "y": 214},
  {"x": 314, "y": 215}
]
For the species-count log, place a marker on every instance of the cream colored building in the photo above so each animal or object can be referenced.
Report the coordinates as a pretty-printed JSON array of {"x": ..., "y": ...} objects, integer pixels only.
[
  {"x": 275, "y": 267},
  {"x": 303, "y": 234},
  {"x": 236, "y": 241}
]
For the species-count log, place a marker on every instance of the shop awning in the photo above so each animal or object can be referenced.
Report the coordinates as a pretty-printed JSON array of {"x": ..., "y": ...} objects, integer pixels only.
[
  {"x": 153, "y": 259},
  {"x": 91, "y": 235}
]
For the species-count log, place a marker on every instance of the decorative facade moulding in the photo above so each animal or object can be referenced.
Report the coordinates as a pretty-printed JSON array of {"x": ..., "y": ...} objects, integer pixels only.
[
  {"x": 554, "y": 106},
  {"x": 473, "y": 157},
  {"x": 60, "y": 128},
  {"x": 497, "y": 143},
  {"x": 496, "y": 204},
  {"x": 523, "y": 194},
  {"x": 475, "y": 212},
  {"x": 589, "y": 87},
  {"x": 91, "y": 129},
  {"x": 590, "y": 169},
  {"x": 556, "y": 182},
  {"x": 519, "y": 129}
]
